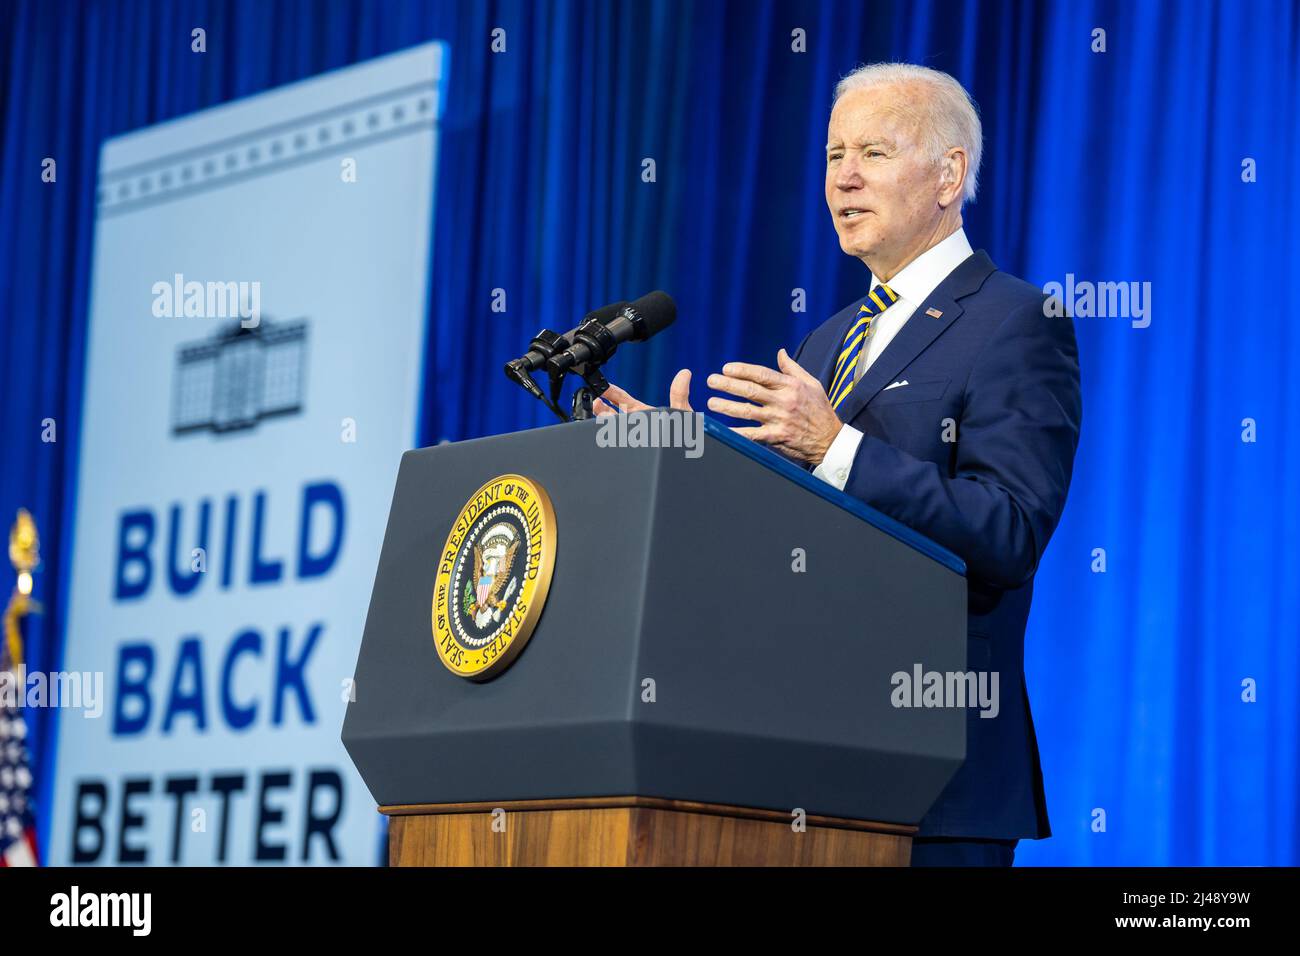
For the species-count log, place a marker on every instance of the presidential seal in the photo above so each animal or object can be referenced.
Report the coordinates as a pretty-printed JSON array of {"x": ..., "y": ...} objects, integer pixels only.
[{"x": 493, "y": 576}]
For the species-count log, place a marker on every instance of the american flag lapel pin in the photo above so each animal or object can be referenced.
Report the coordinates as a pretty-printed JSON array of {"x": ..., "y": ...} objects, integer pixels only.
[{"x": 934, "y": 313}]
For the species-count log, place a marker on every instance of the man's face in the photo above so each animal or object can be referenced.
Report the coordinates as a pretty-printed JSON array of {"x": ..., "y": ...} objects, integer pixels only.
[{"x": 881, "y": 187}]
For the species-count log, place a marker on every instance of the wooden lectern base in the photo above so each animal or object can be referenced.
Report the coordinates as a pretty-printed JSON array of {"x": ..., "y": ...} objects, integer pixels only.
[{"x": 633, "y": 831}]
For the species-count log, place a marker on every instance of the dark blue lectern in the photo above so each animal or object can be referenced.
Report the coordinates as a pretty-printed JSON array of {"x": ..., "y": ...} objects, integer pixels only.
[{"x": 714, "y": 664}]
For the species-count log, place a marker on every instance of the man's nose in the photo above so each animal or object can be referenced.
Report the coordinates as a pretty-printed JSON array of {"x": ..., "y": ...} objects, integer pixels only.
[{"x": 847, "y": 174}]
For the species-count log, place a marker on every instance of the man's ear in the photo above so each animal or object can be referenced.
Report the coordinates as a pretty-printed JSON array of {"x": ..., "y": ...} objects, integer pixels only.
[{"x": 952, "y": 176}]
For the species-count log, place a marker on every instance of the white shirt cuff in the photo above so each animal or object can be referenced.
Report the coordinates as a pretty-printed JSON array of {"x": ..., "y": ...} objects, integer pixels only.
[{"x": 835, "y": 467}]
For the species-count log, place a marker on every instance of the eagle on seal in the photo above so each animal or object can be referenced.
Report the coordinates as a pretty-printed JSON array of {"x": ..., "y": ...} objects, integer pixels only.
[{"x": 491, "y": 579}]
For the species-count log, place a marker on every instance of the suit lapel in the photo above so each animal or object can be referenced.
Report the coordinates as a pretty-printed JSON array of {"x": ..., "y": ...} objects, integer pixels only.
[
  {"x": 921, "y": 329},
  {"x": 912, "y": 339}
]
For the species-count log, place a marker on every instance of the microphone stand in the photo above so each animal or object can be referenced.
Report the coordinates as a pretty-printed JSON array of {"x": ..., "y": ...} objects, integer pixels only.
[{"x": 585, "y": 397}]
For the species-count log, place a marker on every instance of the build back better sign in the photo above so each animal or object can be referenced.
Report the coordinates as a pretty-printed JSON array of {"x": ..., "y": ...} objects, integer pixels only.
[{"x": 254, "y": 358}]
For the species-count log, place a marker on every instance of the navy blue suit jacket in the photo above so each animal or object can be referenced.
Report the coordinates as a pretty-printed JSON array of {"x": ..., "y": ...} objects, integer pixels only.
[{"x": 1008, "y": 377}]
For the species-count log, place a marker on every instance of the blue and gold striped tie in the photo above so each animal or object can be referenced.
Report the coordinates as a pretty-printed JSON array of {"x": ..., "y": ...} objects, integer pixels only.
[{"x": 842, "y": 382}]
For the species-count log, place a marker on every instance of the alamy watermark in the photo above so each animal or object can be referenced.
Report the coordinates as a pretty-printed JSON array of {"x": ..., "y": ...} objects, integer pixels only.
[
  {"x": 133, "y": 911},
  {"x": 208, "y": 300},
  {"x": 653, "y": 429},
  {"x": 79, "y": 690},
  {"x": 1083, "y": 299},
  {"x": 922, "y": 688}
]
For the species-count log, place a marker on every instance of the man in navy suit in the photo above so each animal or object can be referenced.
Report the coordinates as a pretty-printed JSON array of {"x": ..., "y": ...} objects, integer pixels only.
[{"x": 947, "y": 398}]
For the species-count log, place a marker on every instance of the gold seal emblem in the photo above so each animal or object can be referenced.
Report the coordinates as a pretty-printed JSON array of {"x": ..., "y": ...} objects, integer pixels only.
[{"x": 494, "y": 573}]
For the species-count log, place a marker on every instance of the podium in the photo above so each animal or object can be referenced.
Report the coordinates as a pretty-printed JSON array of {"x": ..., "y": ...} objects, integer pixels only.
[{"x": 721, "y": 673}]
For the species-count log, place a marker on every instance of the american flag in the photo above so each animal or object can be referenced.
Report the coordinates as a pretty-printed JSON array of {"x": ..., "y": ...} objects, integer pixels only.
[{"x": 17, "y": 824}]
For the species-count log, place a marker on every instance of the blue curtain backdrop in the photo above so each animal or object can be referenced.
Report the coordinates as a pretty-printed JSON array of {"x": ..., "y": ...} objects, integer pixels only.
[{"x": 1125, "y": 165}]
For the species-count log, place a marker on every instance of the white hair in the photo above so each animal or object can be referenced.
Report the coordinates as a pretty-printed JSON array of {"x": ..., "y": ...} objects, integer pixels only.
[{"x": 948, "y": 116}]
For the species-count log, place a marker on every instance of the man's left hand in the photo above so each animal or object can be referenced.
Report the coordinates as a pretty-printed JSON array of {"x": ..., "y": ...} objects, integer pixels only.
[{"x": 795, "y": 416}]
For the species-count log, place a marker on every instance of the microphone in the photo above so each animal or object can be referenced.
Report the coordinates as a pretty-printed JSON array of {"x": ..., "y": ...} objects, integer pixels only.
[
  {"x": 546, "y": 343},
  {"x": 595, "y": 342}
]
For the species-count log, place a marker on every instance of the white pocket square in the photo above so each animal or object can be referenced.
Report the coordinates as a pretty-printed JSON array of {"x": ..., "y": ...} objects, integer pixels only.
[{"x": 896, "y": 385}]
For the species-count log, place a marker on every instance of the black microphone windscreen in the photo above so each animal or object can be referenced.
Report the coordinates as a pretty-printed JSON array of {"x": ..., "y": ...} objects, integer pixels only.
[{"x": 657, "y": 310}]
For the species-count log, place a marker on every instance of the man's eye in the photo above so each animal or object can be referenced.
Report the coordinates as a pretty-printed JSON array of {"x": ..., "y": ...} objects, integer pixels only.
[
  {"x": 873, "y": 153},
  {"x": 833, "y": 158}
]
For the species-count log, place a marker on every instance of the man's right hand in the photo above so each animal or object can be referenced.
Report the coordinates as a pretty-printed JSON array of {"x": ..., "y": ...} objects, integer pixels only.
[{"x": 615, "y": 400}]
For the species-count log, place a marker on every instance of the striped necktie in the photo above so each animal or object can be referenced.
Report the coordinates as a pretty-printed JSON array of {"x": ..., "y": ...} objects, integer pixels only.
[{"x": 842, "y": 382}]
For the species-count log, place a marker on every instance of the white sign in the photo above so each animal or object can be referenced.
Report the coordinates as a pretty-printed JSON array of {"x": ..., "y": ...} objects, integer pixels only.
[{"x": 256, "y": 334}]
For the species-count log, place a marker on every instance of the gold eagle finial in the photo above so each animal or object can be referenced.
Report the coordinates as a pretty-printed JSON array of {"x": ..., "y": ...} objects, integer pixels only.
[
  {"x": 25, "y": 556},
  {"x": 24, "y": 543}
]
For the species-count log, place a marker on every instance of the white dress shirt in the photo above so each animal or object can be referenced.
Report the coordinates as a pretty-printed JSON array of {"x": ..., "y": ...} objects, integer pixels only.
[{"x": 913, "y": 285}]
